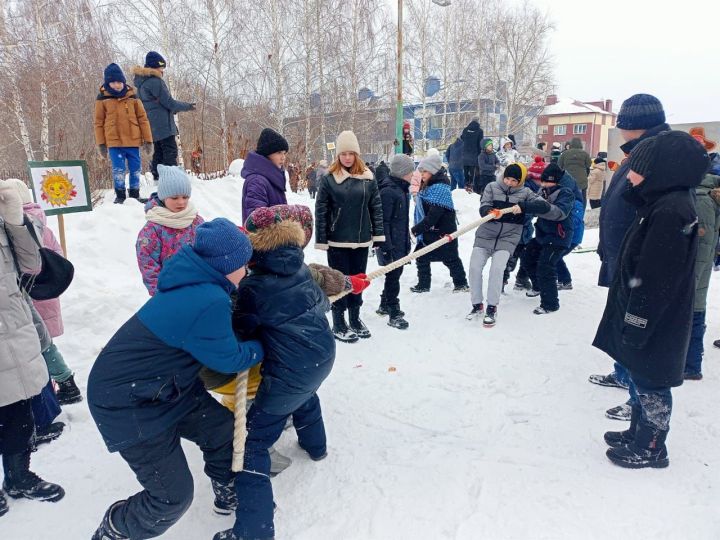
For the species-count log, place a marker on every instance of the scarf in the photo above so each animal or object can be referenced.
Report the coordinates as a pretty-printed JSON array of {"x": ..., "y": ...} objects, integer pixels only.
[
  {"x": 174, "y": 220},
  {"x": 438, "y": 194},
  {"x": 115, "y": 93}
]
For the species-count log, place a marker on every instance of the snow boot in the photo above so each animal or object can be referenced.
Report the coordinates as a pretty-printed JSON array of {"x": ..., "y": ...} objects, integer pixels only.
[
  {"x": 564, "y": 286},
  {"x": 225, "y": 497},
  {"x": 278, "y": 462},
  {"x": 490, "y": 316},
  {"x": 532, "y": 293},
  {"x": 419, "y": 289},
  {"x": 542, "y": 310},
  {"x": 68, "y": 392},
  {"x": 356, "y": 325},
  {"x": 621, "y": 412},
  {"x": 522, "y": 285},
  {"x": 461, "y": 288},
  {"x": 21, "y": 482},
  {"x": 616, "y": 439},
  {"x": 385, "y": 310},
  {"x": 610, "y": 380},
  {"x": 119, "y": 196},
  {"x": 716, "y": 343},
  {"x": 106, "y": 530},
  {"x": 3, "y": 504},
  {"x": 230, "y": 535},
  {"x": 397, "y": 318},
  {"x": 692, "y": 376},
  {"x": 647, "y": 450},
  {"x": 340, "y": 328},
  {"x": 47, "y": 434},
  {"x": 135, "y": 194},
  {"x": 477, "y": 311}
]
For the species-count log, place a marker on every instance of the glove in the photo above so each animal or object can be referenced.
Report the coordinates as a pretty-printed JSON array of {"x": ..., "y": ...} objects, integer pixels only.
[
  {"x": 102, "y": 150},
  {"x": 193, "y": 106},
  {"x": 517, "y": 209},
  {"x": 11, "y": 210},
  {"x": 495, "y": 213},
  {"x": 360, "y": 282},
  {"x": 148, "y": 148}
]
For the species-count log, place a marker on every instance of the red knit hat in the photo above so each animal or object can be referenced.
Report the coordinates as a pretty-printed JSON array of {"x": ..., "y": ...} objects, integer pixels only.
[{"x": 536, "y": 169}]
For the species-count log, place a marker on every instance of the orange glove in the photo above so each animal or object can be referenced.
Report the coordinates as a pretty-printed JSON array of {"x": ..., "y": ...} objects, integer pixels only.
[
  {"x": 359, "y": 282},
  {"x": 495, "y": 213}
]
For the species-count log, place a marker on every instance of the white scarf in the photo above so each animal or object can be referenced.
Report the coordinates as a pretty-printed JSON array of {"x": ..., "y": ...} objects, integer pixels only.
[{"x": 174, "y": 220}]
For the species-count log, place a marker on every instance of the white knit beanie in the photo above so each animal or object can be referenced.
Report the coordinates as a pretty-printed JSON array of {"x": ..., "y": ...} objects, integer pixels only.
[
  {"x": 173, "y": 182},
  {"x": 347, "y": 142},
  {"x": 22, "y": 190}
]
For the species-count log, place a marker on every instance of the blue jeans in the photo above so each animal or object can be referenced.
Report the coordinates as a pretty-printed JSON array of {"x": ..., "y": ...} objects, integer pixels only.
[
  {"x": 655, "y": 404},
  {"x": 457, "y": 178},
  {"x": 693, "y": 362},
  {"x": 118, "y": 157},
  {"x": 254, "y": 514}
]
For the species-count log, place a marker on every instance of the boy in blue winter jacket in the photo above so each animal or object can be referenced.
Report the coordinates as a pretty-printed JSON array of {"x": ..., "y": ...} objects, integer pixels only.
[
  {"x": 144, "y": 391},
  {"x": 281, "y": 303}
]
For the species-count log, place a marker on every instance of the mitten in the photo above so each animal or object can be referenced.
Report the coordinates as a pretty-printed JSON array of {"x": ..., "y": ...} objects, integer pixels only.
[
  {"x": 10, "y": 204},
  {"x": 102, "y": 150},
  {"x": 360, "y": 282},
  {"x": 148, "y": 148}
]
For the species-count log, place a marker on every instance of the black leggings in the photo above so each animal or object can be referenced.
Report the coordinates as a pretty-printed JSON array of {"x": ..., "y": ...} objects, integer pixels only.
[{"x": 349, "y": 262}]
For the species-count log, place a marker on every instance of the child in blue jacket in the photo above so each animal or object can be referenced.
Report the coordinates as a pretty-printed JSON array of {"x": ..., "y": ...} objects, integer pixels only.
[{"x": 144, "y": 391}]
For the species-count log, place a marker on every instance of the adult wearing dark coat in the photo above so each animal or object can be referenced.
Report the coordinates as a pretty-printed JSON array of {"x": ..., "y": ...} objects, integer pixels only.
[
  {"x": 263, "y": 173},
  {"x": 161, "y": 109},
  {"x": 577, "y": 162},
  {"x": 454, "y": 158},
  {"x": 647, "y": 320},
  {"x": 472, "y": 138}
]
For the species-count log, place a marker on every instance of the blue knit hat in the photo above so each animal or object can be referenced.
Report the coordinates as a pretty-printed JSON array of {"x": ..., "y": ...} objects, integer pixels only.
[
  {"x": 172, "y": 182},
  {"x": 113, "y": 73},
  {"x": 222, "y": 245},
  {"x": 154, "y": 60},
  {"x": 641, "y": 111}
]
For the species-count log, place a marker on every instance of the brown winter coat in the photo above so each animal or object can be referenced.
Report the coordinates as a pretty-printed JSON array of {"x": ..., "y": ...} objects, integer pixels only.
[
  {"x": 121, "y": 122},
  {"x": 596, "y": 181}
]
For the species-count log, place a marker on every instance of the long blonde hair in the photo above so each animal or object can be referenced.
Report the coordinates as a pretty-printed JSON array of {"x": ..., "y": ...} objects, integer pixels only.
[{"x": 357, "y": 169}]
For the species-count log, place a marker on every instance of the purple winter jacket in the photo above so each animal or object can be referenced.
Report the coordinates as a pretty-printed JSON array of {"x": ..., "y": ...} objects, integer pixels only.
[{"x": 264, "y": 184}]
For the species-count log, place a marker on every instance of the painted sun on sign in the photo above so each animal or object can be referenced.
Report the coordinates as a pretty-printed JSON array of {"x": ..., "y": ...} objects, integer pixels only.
[{"x": 57, "y": 188}]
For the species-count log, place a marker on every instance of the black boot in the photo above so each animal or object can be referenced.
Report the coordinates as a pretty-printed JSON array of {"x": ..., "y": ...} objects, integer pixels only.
[
  {"x": 3, "y": 504},
  {"x": 135, "y": 194},
  {"x": 21, "y": 482},
  {"x": 616, "y": 439},
  {"x": 48, "y": 433},
  {"x": 68, "y": 392},
  {"x": 119, "y": 196},
  {"x": 225, "y": 497},
  {"x": 340, "y": 327},
  {"x": 384, "y": 309},
  {"x": 647, "y": 450},
  {"x": 397, "y": 319},
  {"x": 226, "y": 535},
  {"x": 106, "y": 530},
  {"x": 356, "y": 325}
]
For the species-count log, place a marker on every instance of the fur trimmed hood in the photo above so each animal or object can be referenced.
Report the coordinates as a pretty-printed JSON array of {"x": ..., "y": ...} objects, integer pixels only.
[
  {"x": 342, "y": 175},
  {"x": 140, "y": 71},
  {"x": 283, "y": 233},
  {"x": 279, "y": 226}
]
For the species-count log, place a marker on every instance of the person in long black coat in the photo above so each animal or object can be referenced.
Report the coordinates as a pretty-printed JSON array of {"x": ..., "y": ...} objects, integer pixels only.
[
  {"x": 648, "y": 317},
  {"x": 472, "y": 137}
]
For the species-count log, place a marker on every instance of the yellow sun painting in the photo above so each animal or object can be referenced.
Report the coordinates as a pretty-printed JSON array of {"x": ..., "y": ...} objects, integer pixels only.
[{"x": 57, "y": 188}]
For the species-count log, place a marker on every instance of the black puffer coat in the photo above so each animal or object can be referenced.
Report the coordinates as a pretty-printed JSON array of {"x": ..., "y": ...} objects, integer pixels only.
[
  {"x": 472, "y": 138},
  {"x": 396, "y": 220},
  {"x": 648, "y": 317}
]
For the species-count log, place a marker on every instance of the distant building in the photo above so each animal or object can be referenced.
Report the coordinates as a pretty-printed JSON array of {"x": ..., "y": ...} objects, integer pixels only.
[{"x": 564, "y": 119}]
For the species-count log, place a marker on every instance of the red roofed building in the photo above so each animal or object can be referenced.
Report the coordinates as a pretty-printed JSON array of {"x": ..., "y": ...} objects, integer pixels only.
[{"x": 564, "y": 119}]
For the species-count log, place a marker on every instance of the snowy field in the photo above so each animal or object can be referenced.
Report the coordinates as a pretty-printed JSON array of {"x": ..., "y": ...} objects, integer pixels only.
[{"x": 446, "y": 430}]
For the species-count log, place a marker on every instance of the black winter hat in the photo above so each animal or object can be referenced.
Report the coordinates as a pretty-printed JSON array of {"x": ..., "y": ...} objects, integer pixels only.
[
  {"x": 154, "y": 60},
  {"x": 552, "y": 173},
  {"x": 641, "y": 111},
  {"x": 270, "y": 141},
  {"x": 513, "y": 171}
]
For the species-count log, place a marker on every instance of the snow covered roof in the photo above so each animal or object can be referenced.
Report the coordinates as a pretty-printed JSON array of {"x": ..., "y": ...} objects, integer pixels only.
[{"x": 571, "y": 106}]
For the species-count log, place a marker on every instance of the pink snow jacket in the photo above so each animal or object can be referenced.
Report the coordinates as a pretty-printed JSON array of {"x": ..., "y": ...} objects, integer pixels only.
[
  {"x": 49, "y": 310},
  {"x": 161, "y": 237}
]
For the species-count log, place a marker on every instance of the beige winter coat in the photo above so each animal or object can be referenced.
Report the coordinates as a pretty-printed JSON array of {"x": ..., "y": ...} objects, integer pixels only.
[
  {"x": 596, "y": 180},
  {"x": 22, "y": 369}
]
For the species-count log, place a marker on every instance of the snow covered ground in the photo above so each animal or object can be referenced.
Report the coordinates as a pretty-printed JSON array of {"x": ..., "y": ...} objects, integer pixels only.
[{"x": 444, "y": 431}]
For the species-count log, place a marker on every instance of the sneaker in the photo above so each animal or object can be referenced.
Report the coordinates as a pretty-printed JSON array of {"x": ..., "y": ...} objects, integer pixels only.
[
  {"x": 522, "y": 285},
  {"x": 397, "y": 321},
  {"x": 225, "y": 497},
  {"x": 621, "y": 412},
  {"x": 609, "y": 380},
  {"x": 419, "y": 289},
  {"x": 564, "y": 286},
  {"x": 461, "y": 288},
  {"x": 532, "y": 293},
  {"x": 48, "y": 433},
  {"x": 490, "y": 315},
  {"x": 693, "y": 376},
  {"x": 68, "y": 392},
  {"x": 541, "y": 310},
  {"x": 477, "y": 310}
]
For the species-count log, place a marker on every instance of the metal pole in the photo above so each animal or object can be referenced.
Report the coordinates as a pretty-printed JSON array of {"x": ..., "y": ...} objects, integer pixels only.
[{"x": 399, "y": 102}]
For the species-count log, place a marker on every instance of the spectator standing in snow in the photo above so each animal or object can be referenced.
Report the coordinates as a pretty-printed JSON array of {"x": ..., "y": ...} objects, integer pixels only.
[
  {"x": 24, "y": 373},
  {"x": 396, "y": 226},
  {"x": 576, "y": 162},
  {"x": 407, "y": 143},
  {"x": 435, "y": 217},
  {"x": 648, "y": 317},
  {"x": 472, "y": 137},
  {"x": 454, "y": 158},
  {"x": 496, "y": 239},
  {"x": 596, "y": 182},
  {"x": 121, "y": 127},
  {"x": 264, "y": 174},
  {"x": 488, "y": 164},
  {"x": 311, "y": 180},
  {"x": 348, "y": 221},
  {"x": 508, "y": 154},
  {"x": 172, "y": 222},
  {"x": 555, "y": 152},
  {"x": 144, "y": 391},
  {"x": 161, "y": 109},
  {"x": 641, "y": 116}
]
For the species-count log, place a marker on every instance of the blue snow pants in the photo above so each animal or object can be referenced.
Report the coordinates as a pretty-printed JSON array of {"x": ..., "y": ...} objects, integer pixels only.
[{"x": 118, "y": 157}]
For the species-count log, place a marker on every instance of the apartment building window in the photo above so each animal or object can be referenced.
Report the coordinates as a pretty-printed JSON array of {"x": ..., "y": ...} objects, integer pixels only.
[
  {"x": 542, "y": 130},
  {"x": 579, "y": 129},
  {"x": 559, "y": 130}
]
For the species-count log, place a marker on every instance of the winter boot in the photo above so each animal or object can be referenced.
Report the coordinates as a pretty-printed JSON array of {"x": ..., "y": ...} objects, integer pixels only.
[
  {"x": 48, "y": 433},
  {"x": 225, "y": 497},
  {"x": 621, "y": 412},
  {"x": 385, "y": 310},
  {"x": 135, "y": 194},
  {"x": 68, "y": 392},
  {"x": 278, "y": 462},
  {"x": 616, "y": 439},
  {"x": 397, "y": 318},
  {"x": 490, "y": 315},
  {"x": 106, "y": 530},
  {"x": 716, "y": 343},
  {"x": 340, "y": 328},
  {"x": 226, "y": 535},
  {"x": 647, "y": 450},
  {"x": 356, "y": 325},
  {"x": 119, "y": 196},
  {"x": 477, "y": 311},
  {"x": 461, "y": 288},
  {"x": 532, "y": 293},
  {"x": 610, "y": 380},
  {"x": 419, "y": 289},
  {"x": 522, "y": 284},
  {"x": 564, "y": 286},
  {"x": 21, "y": 482},
  {"x": 692, "y": 376},
  {"x": 3, "y": 504}
]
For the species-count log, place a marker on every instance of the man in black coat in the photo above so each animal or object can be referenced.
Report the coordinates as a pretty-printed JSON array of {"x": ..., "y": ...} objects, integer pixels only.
[
  {"x": 396, "y": 224},
  {"x": 647, "y": 320},
  {"x": 472, "y": 138}
]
